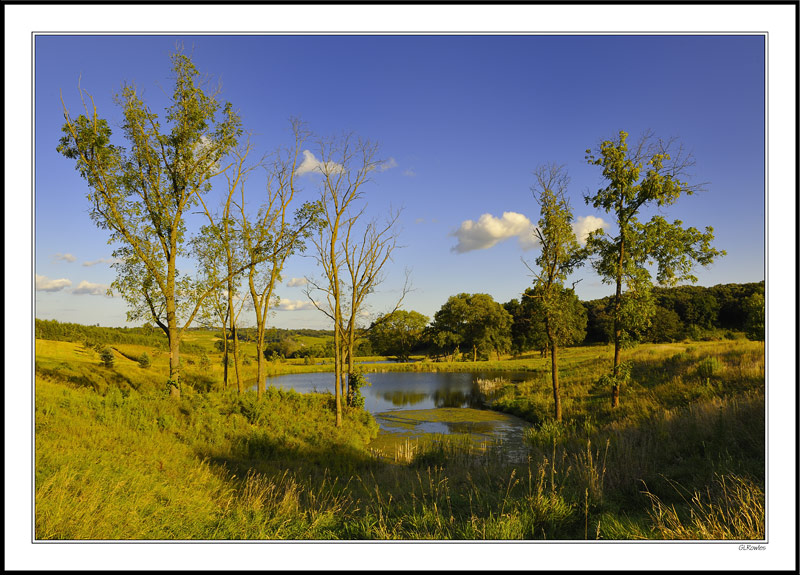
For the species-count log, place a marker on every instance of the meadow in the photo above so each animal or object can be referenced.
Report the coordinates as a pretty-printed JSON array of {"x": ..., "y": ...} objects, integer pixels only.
[{"x": 683, "y": 457}]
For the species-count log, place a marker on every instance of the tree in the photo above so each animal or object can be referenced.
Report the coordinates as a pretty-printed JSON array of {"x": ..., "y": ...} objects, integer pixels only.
[
  {"x": 365, "y": 256},
  {"x": 474, "y": 320},
  {"x": 754, "y": 327},
  {"x": 107, "y": 357},
  {"x": 397, "y": 333},
  {"x": 560, "y": 255},
  {"x": 649, "y": 175},
  {"x": 273, "y": 235},
  {"x": 345, "y": 165},
  {"x": 142, "y": 194},
  {"x": 665, "y": 327}
]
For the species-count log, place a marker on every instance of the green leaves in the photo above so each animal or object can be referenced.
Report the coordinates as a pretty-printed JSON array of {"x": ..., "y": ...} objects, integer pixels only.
[{"x": 624, "y": 259}]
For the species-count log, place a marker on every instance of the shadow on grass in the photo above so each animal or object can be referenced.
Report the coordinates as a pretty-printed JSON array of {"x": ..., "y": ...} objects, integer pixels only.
[{"x": 260, "y": 453}]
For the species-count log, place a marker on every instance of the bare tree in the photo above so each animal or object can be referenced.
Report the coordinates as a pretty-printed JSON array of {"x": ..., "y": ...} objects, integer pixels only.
[
  {"x": 365, "y": 255},
  {"x": 273, "y": 235},
  {"x": 345, "y": 165}
]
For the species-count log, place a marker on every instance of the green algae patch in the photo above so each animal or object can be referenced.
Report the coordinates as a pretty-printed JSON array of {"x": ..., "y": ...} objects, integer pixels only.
[{"x": 476, "y": 428}]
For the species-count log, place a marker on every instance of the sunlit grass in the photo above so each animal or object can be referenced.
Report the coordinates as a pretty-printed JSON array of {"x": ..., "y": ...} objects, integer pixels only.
[{"x": 682, "y": 457}]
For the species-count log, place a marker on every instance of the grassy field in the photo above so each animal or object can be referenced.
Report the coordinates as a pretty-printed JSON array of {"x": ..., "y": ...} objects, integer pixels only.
[{"x": 681, "y": 458}]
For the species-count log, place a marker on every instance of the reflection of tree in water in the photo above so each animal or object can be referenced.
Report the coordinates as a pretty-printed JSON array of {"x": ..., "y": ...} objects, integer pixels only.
[
  {"x": 400, "y": 398},
  {"x": 455, "y": 398}
]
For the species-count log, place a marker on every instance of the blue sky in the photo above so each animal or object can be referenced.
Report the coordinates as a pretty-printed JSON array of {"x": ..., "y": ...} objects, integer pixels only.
[{"x": 464, "y": 120}]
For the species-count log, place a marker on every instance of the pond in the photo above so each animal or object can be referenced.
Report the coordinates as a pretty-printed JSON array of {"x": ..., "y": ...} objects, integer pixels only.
[
  {"x": 392, "y": 391},
  {"x": 412, "y": 405}
]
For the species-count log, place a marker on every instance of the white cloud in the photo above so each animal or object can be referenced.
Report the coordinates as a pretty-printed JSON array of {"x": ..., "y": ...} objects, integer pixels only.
[
  {"x": 100, "y": 261},
  {"x": 295, "y": 305},
  {"x": 387, "y": 165},
  {"x": 409, "y": 172},
  {"x": 311, "y": 164},
  {"x": 88, "y": 288},
  {"x": 297, "y": 282},
  {"x": 66, "y": 257},
  {"x": 44, "y": 283},
  {"x": 583, "y": 225},
  {"x": 489, "y": 231},
  {"x": 419, "y": 221}
]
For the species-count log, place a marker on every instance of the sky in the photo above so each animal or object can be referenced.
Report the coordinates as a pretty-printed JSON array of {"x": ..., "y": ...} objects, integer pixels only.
[{"x": 462, "y": 122}]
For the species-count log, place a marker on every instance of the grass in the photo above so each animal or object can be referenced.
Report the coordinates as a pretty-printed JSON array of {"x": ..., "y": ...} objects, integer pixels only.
[{"x": 682, "y": 458}]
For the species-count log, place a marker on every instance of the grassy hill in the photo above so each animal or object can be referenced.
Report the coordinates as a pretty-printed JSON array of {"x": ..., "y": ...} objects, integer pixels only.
[{"x": 116, "y": 458}]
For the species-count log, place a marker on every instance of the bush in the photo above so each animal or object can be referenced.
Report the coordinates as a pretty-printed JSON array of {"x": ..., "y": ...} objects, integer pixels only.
[
  {"x": 107, "y": 357},
  {"x": 355, "y": 381},
  {"x": 708, "y": 367},
  {"x": 144, "y": 360},
  {"x": 205, "y": 362}
]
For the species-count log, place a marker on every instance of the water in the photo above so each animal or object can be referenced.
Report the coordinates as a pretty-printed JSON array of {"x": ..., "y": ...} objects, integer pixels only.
[
  {"x": 409, "y": 405},
  {"x": 392, "y": 391}
]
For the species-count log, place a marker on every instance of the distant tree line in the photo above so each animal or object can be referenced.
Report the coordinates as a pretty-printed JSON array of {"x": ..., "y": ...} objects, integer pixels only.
[
  {"x": 687, "y": 312},
  {"x": 474, "y": 327},
  {"x": 94, "y": 335}
]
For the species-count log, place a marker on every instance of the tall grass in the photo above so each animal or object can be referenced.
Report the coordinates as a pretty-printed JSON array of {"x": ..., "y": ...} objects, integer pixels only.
[{"x": 683, "y": 457}]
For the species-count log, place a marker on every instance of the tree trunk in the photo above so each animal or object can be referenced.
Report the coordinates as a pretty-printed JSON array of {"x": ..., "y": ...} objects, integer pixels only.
[
  {"x": 617, "y": 326},
  {"x": 174, "y": 364},
  {"x": 261, "y": 384},
  {"x": 225, "y": 358},
  {"x": 232, "y": 323},
  {"x": 556, "y": 393},
  {"x": 337, "y": 369},
  {"x": 236, "y": 359},
  {"x": 474, "y": 353},
  {"x": 350, "y": 362}
]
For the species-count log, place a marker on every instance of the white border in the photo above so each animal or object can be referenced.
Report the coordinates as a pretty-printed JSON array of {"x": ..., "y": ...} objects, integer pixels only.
[{"x": 776, "y": 20}]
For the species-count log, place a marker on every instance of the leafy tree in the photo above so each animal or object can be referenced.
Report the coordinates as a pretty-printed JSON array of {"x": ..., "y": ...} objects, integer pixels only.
[
  {"x": 665, "y": 327},
  {"x": 560, "y": 255},
  {"x": 107, "y": 357},
  {"x": 474, "y": 320},
  {"x": 397, "y": 333},
  {"x": 141, "y": 195},
  {"x": 144, "y": 360},
  {"x": 649, "y": 175},
  {"x": 754, "y": 327},
  {"x": 600, "y": 320}
]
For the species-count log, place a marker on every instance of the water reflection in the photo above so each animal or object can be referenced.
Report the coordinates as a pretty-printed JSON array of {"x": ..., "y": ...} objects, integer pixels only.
[
  {"x": 402, "y": 398},
  {"x": 403, "y": 390}
]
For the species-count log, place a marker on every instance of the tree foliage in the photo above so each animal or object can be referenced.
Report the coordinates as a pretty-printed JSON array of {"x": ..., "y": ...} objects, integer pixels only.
[
  {"x": 141, "y": 194},
  {"x": 649, "y": 175},
  {"x": 397, "y": 333},
  {"x": 563, "y": 317},
  {"x": 755, "y": 317},
  {"x": 474, "y": 321}
]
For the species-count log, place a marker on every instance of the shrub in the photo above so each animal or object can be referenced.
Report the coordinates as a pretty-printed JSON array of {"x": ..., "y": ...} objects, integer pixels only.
[
  {"x": 708, "y": 367},
  {"x": 107, "y": 357},
  {"x": 144, "y": 360},
  {"x": 355, "y": 381},
  {"x": 205, "y": 362}
]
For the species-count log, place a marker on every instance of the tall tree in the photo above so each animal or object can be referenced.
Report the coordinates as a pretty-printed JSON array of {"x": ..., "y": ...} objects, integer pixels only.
[
  {"x": 560, "y": 255},
  {"x": 651, "y": 174},
  {"x": 365, "y": 255},
  {"x": 345, "y": 166},
  {"x": 474, "y": 320},
  {"x": 142, "y": 194},
  {"x": 397, "y": 333},
  {"x": 273, "y": 235}
]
